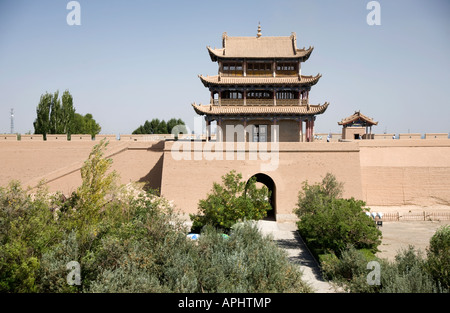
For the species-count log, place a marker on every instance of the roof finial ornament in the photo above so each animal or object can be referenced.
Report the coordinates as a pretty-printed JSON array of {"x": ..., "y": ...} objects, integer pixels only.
[{"x": 259, "y": 30}]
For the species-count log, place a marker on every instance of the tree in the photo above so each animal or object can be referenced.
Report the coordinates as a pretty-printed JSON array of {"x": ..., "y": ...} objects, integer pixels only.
[
  {"x": 91, "y": 126},
  {"x": 157, "y": 126},
  {"x": 96, "y": 183},
  {"x": 67, "y": 113},
  {"x": 233, "y": 201},
  {"x": 438, "y": 253},
  {"x": 42, "y": 122},
  {"x": 57, "y": 116}
]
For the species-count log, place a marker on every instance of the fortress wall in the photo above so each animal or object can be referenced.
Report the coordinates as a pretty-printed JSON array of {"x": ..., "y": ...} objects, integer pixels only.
[
  {"x": 134, "y": 162},
  {"x": 107, "y": 137},
  {"x": 31, "y": 137},
  {"x": 381, "y": 172},
  {"x": 11, "y": 137},
  {"x": 189, "y": 177},
  {"x": 78, "y": 137},
  {"x": 405, "y": 172},
  {"x": 410, "y": 136},
  {"x": 383, "y": 136},
  {"x": 59, "y": 137},
  {"x": 436, "y": 136}
]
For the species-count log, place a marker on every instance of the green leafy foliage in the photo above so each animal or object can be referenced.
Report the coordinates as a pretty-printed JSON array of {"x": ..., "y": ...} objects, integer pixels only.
[
  {"x": 438, "y": 256},
  {"x": 233, "y": 201},
  {"x": 406, "y": 274},
  {"x": 57, "y": 116},
  {"x": 160, "y": 127},
  {"x": 127, "y": 240},
  {"x": 85, "y": 124},
  {"x": 330, "y": 224}
]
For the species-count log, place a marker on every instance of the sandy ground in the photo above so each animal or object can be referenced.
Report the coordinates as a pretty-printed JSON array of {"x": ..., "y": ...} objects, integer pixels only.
[{"x": 399, "y": 235}]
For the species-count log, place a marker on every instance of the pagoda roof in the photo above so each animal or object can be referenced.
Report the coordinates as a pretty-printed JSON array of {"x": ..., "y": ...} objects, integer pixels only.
[
  {"x": 259, "y": 48},
  {"x": 358, "y": 116},
  {"x": 258, "y": 80},
  {"x": 259, "y": 110}
]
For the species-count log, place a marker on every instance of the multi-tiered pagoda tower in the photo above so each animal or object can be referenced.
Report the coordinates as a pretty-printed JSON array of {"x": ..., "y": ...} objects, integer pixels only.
[{"x": 259, "y": 85}]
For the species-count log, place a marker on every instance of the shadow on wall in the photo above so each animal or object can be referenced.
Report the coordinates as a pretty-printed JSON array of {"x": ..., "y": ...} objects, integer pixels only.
[{"x": 153, "y": 178}]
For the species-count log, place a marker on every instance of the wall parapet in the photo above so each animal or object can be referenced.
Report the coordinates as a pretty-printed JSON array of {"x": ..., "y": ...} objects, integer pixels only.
[
  {"x": 11, "y": 137},
  {"x": 436, "y": 136},
  {"x": 28, "y": 137}
]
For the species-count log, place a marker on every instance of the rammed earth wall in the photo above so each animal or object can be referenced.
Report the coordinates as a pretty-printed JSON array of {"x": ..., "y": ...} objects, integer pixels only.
[{"x": 380, "y": 172}]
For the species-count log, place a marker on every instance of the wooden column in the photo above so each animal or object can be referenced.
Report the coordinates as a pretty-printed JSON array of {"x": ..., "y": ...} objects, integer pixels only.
[
  {"x": 274, "y": 133},
  {"x": 312, "y": 129},
  {"x": 307, "y": 130},
  {"x": 245, "y": 126},
  {"x": 245, "y": 97},
  {"x": 219, "y": 132},
  {"x": 300, "y": 124},
  {"x": 274, "y": 97},
  {"x": 208, "y": 129}
]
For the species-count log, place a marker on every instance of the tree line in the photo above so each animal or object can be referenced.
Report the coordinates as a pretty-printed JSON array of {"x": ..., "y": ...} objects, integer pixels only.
[
  {"x": 156, "y": 126},
  {"x": 57, "y": 115}
]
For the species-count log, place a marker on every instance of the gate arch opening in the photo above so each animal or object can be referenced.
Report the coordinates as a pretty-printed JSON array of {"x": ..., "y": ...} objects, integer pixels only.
[{"x": 270, "y": 184}]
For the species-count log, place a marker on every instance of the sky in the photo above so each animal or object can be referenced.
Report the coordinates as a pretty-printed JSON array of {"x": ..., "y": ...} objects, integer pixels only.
[{"x": 131, "y": 61}]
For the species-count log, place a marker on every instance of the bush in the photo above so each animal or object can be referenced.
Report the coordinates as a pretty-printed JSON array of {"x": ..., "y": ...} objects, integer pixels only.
[
  {"x": 406, "y": 274},
  {"x": 245, "y": 262},
  {"x": 329, "y": 224},
  {"x": 232, "y": 202},
  {"x": 349, "y": 270},
  {"x": 438, "y": 256},
  {"x": 27, "y": 229},
  {"x": 128, "y": 240}
]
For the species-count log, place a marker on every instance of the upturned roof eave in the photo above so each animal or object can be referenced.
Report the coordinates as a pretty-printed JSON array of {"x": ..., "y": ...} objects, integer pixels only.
[{"x": 216, "y": 54}]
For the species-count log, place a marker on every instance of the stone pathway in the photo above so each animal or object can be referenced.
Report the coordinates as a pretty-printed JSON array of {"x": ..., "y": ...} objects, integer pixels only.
[{"x": 286, "y": 236}]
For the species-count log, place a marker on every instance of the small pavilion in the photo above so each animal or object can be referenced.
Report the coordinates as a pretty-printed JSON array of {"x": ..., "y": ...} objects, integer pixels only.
[{"x": 357, "y": 126}]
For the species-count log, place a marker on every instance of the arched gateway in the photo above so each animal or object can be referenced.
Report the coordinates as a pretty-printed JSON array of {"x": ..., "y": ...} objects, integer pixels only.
[{"x": 270, "y": 184}]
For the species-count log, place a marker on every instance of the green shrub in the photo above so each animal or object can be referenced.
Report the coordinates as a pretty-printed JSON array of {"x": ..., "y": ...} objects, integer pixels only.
[
  {"x": 128, "y": 240},
  {"x": 231, "y": 202},
  {"x": 438, "y": 256},
  {"x": 27, "y": 229},
  {"x": 349, "y": 270},
  {"x": 245, "y": 262},
  {"x": 407, "y": 274},
  {"x": 338, "y": 223}
]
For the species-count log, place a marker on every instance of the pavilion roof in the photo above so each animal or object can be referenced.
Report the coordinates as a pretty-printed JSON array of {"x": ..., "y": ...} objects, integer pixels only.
[
  {"x": 259, "y": 80},
  {"x": 259, "y": 110},
  {"x": 358, "y": 116},
  {"x": 259, "y": 48}
]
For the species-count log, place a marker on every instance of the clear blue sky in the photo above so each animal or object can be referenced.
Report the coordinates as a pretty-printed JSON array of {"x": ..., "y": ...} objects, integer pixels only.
[{"x": 130, "y": 61}]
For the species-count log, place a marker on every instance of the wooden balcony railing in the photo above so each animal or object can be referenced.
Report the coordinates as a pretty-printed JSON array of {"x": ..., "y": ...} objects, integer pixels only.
[{"x": 259, "y": 102}]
